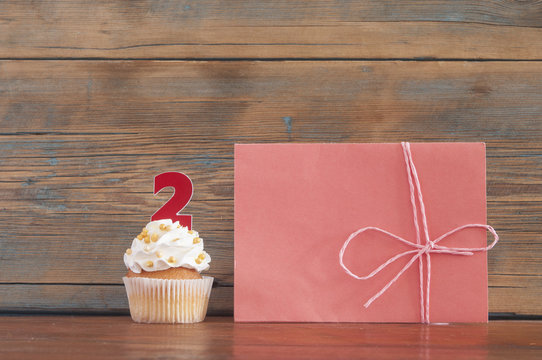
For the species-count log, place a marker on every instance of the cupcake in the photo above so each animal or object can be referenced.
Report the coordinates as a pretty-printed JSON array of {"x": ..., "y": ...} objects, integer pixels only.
[{"x": 163, "y": 283}]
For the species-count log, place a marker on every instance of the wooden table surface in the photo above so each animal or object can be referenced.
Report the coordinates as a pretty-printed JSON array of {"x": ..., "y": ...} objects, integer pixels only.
[{"x": 117, "y": 337}]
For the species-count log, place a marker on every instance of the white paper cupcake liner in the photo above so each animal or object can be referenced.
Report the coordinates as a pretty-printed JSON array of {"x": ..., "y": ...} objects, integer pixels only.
[{"x": 168, "y": 301}]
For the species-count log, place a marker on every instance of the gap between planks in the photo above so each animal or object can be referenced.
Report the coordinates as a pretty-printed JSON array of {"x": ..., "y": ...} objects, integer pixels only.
[{"x": 42, "y": 312}]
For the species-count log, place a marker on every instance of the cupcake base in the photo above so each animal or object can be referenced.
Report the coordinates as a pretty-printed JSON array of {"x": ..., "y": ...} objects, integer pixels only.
[{"x": 168, "y": 301}]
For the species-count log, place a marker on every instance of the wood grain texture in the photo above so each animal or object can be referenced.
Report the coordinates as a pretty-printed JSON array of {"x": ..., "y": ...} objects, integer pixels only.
[
  {"x": 81, "y": 140},
  {"x": 54, "y": 337},
  {"x": 87, "y": 299},
  {"x": 487, "y": 29}
]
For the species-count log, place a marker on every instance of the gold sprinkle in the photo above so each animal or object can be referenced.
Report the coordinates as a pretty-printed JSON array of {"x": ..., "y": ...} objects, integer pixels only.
[
  {"x": 158, "y": 254},
  {"x": 144, "y": 231},
  {"x": 154, "y": 237},
  {"x": 175, "y": 239},
  {"x": 190, "y": 232},
  {"x": 162, "y": 227},
  {"x": 171, "y": 259},
  {"x": 179, "y": 226},
  {"x": 129, "y": 251},
  {"x": 149, "y": 264},
  {"x": 168, "y": 228},
  {"x": 196, "y": 240},
  {"x": 147, "y": 239},
  {"x": 201, "y": 256},
  {"x": 198, "y": 261},
  {"x": 139, "y": 237}
]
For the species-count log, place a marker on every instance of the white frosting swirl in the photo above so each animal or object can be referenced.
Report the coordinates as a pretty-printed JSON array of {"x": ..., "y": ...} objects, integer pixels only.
[{"x": 174, "y": 246}]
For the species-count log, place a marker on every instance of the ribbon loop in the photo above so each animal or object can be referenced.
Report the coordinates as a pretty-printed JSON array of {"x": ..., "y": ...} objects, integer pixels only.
[
  {"x": 384, "y": 265},
  {"x": 431, "y": 246}
]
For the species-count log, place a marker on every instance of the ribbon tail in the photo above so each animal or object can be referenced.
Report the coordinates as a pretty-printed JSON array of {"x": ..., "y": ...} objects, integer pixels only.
[
  {"x": 390, "y": 283},
  {"x": 428, "y": 289}
]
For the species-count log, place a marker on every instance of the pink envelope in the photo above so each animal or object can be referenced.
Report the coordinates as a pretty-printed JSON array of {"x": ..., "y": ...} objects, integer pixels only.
[{"x": 296, "y": 204}]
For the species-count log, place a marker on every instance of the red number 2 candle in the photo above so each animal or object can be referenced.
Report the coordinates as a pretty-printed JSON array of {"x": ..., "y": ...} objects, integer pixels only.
[{"x": 183, "y": 190}]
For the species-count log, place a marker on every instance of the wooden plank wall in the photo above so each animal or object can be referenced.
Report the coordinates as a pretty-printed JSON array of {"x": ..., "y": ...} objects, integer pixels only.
[{"x": 98, "y": 96}]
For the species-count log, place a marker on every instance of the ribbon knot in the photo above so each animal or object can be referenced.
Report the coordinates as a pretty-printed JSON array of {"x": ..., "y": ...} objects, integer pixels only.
[
  {"x": 420, "y": 250},
  {"x": 430, "y": 246}
]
